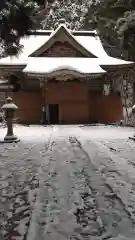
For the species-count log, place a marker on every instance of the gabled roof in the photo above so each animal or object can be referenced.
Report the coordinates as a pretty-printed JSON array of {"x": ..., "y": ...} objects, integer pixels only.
[
  {"x": 62, "y": 34},
  {"x": 88, "y": 40}
]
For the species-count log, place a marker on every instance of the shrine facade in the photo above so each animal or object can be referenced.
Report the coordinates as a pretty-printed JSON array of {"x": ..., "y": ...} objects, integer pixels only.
[{"x": 65, "y": 77}]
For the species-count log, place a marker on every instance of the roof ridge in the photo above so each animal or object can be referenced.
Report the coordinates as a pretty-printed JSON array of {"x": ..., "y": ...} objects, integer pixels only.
[{"x": 73, "y": 32}]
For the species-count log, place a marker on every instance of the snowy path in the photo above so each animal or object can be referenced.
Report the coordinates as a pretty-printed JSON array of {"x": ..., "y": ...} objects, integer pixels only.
[{"x": 68, "y": 182}]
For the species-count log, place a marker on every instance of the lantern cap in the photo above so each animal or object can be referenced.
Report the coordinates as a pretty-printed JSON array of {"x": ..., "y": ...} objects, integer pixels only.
[
  {"x": 9, "y": 104},
  {"x": 9, "y": 100}
]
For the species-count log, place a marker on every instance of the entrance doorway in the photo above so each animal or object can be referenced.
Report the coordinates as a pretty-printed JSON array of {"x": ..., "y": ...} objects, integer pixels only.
[{"x": 53, "y": 113}]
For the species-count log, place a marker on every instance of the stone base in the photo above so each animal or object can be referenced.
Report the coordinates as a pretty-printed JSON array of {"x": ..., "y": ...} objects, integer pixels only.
[
  {"x": 10, "y": 139},
  {"x": 132, "y": 138}
]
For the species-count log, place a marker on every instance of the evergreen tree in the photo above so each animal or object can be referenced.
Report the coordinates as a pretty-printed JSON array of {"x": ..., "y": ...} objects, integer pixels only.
[
  {"x": 115, "y": 21},
  {"x": 16, "y": 19},
  {"x": 73, "y": 11}
]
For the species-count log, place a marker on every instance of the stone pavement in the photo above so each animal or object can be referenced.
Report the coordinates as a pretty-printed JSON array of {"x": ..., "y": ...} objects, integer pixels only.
[{"x": 68, "y": 182}]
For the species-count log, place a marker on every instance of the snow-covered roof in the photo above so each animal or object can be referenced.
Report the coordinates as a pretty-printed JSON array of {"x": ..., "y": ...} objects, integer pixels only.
[
  {"x": 89, "y": 40},
  {"x": 50, "y": 65}
]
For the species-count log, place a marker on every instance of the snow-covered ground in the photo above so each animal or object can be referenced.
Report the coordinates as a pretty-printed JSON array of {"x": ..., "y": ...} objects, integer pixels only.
[{"x": 68, "y": 182}]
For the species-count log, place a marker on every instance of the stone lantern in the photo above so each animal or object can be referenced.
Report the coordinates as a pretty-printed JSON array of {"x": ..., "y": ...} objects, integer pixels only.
[
  {"x": 106, "y": 89},
  {"x": 10, "y": 108}
]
